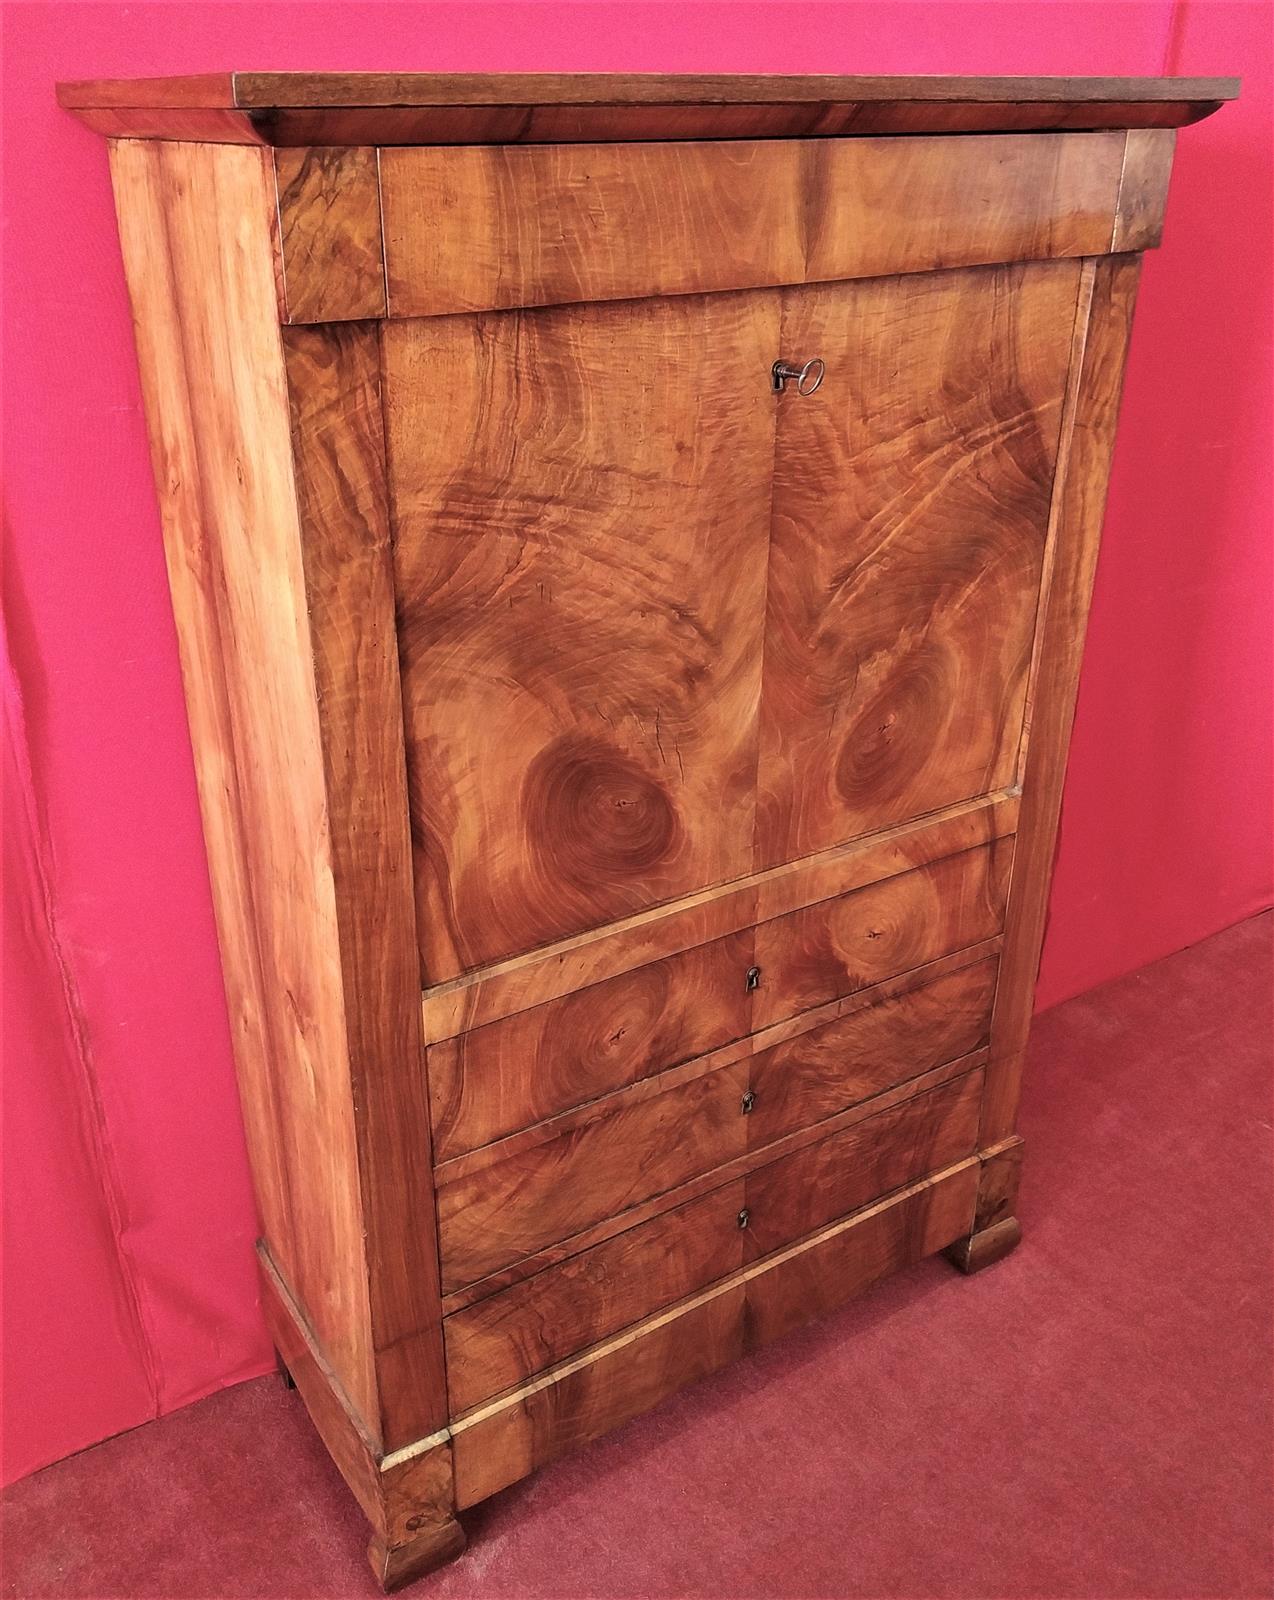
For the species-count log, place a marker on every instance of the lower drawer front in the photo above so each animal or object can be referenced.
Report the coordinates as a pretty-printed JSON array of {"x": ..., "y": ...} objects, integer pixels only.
[
  {"x": 509, "y": 1336},
  {"x": 798, "y": 1193},
  {"x": 498, "y": 1342}
]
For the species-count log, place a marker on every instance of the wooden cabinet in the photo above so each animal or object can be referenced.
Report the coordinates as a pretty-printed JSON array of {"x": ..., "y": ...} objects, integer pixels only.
[{"x": 629, "y": 772}]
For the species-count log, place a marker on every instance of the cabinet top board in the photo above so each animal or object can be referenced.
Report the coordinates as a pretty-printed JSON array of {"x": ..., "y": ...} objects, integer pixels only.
[{"x": 298, "y": 108}]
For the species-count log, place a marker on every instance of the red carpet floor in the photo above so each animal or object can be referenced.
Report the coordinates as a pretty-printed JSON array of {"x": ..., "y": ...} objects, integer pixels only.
[{"x": 1091, "y": 1418}]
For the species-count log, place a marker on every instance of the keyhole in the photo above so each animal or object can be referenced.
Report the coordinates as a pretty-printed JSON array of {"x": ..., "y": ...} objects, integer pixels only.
[{"x": 752, "y": 978}]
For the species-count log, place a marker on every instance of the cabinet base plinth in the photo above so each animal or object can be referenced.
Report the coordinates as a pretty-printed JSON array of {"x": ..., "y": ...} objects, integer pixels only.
[
  {"x": 433, "y": 1546},
  {"x": 984, "y": 1249}
]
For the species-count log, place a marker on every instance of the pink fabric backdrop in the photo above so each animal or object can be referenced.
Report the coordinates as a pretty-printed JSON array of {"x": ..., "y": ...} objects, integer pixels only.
[{"x": 129, "y": 1281}]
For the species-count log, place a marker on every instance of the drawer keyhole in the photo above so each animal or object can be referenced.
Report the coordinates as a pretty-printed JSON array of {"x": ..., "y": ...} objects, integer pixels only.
[
  {"x": 745, "y": 1216},
  {"x": 748, "y": 1101},
  {"x": 752, "y": 978}
]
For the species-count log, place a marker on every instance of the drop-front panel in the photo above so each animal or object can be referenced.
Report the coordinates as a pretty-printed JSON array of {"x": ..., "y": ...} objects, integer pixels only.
[
  {"x": 630, "y": 544},
  {"x": 661, "y": 627}
]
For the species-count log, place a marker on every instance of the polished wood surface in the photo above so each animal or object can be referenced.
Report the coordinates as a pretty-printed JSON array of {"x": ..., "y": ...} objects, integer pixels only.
[
  {"x": 643, "y": 1147},
  {"x": 338, "y": 447},
  {"x": 789, "y": 1198},
  {"x": 485, "y": 228},
  {"x": 497, "y": 1342},
  {"x": 820, "y": 1072},
  {"x": 1079, "y": 500},
  {"x": 691, "y": 1189},
  {"x": 996, "y": 1230},
  {"x": 580, "y": 1399},
  {"x": 1143, "y": 189},
  {"x": 899, "y": 630},
  {"x": 832, "y": 948},
  {"x": 330, "y": 235},
  {"x": 580, "y": 611},
  {"x": 511, "y": 986},
  {"x": 754, "y": 1043},
  {"x": 630, "y": 790},
  {"x": 203, "y": 295},
  {"x": 409, "y": 1502},
  {"x": 386, "y": 126},
  {"x": 509, "y": 108},
  {"x": 267, "y": 89},
  {"x": 492, "y": 1081}
]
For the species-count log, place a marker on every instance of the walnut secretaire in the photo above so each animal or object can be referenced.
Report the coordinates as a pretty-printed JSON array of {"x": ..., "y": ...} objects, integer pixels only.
[{"x": 630, "y": 540}]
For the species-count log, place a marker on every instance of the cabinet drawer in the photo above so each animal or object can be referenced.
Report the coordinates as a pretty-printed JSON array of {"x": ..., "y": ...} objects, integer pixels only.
[
  {"x": 494, "y": 1215},
  {"x": 798, "y": 1193},
  {"x": 830, "y": 1068},
  {"x": 505, "y": 1202},
  {"x": 510, "y": 1336},
  {"x": 510, "y": 1074},
  {"x": 817, "y": 954}
]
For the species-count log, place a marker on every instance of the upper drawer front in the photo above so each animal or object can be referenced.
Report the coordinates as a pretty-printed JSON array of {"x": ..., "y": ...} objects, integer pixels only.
[
  {"x": 490, "y": 228},
  {"x": 496, "y": 1079},
  {"x": 827, "y": 950}
]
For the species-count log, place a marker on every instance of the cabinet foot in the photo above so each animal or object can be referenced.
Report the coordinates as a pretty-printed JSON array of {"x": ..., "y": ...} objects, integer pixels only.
[
  {"x": 432, "y": 1546},
  {"x": 995, "y": 1229},
  {"x": 985, "y": 1248}
]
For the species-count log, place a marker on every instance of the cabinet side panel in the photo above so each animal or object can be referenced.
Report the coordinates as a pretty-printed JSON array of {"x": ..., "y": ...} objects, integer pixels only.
[
  {"x": 194, "y": 225},
  {"x": 334, "y": 386},
  {"x": 1079, "y": 501}
]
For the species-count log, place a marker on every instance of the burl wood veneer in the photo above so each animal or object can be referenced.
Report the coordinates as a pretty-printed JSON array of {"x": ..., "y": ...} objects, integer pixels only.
[{"x": 629, "y": 779}]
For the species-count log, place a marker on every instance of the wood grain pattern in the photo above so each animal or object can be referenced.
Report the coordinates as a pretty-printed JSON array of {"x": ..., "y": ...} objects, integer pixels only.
[
  {"x": 257, "y": 90},
  {"x": 1079, "y": 500},
  {"x": 494, "y": 1080},
  {"x": 755, "y": 1043},
  {"x": 508, "y": 987},
  {"x": 483, "y": 228},
  {"x": 182, "y": 124},
  {"x": 338, "y": 445},
  {"x": 329, "y": 234},
  {"x": 579, "y": 1400},
  {"x": 195, "y": 230},
  {"x": 1143, "y": 189},
  {"x": 578, "y": 1404},
  {"x": 709, "y": 1179},
  {"x": 509, "y": 108},
  {"x": 511, "y": 1336},
  {"x": 644, "y": 1147},
  {"x": 820, "y": 1273},
  {"x": 790, "y": 1198},
  {"x": 581, "y": 529},
  {"x": 304, "y": 127},
  {"x": 832, "y": 948},
  {"x": 409, "y": 1503},
  {"x": 820, "y": 1072},
  {"x": 911, "y": 503}
]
